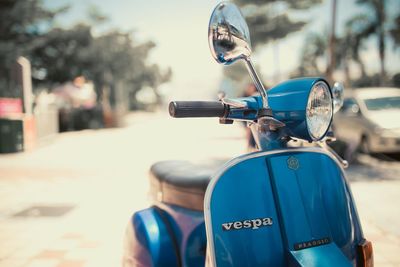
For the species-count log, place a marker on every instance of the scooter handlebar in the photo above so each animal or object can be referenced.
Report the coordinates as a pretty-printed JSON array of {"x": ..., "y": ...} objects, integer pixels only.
[{"x": 192, "y": 109}]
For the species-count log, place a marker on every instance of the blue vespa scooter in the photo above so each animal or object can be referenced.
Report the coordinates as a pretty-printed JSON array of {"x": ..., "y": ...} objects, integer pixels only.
[{"x": 281, "y": 206}]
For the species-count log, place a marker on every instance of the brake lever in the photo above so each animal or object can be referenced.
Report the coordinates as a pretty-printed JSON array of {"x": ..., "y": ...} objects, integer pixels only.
[
  {"x": 269, "y": 123},
  {"x": 234, "y": 103}
]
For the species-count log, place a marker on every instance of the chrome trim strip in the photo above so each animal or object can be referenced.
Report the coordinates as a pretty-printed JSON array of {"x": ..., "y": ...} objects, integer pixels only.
[{"x": 233, "y": 162}]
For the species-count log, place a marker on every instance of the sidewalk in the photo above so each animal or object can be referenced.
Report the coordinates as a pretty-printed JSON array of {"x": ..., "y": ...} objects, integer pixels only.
[
  {"x": 377, "y": 204},
  {"x": 102, "y": 177},
  {"x": 99, "y": 178}
]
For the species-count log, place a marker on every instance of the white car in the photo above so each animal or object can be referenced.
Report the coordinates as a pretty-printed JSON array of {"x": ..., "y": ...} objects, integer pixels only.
[{"x": 370, "y": 120}]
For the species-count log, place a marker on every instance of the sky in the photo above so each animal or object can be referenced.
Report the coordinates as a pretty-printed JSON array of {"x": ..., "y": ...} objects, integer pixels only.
[{"x": 179, "y": 28}]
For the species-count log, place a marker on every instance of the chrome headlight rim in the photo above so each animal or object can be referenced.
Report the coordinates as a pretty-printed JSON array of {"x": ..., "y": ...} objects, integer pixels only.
[{"x": 312, "y": 135}]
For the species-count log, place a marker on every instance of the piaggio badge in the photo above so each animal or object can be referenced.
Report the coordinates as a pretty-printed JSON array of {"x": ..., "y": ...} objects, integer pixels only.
[
  {"x": 312, "y": 243},
  {"x": 293, "y": 163}
]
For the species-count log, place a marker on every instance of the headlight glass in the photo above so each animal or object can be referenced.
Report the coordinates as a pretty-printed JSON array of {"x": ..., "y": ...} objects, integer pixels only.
[{"x": 319, "y": 110}]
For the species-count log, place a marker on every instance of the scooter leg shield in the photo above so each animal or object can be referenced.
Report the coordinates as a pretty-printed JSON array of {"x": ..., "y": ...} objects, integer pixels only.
[{"x": 282, "y": 208}]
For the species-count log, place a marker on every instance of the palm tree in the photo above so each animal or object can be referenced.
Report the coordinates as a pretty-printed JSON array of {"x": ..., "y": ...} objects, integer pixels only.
[
  {"x": 395, "y": 32},
  {"x": 332, "y": 44},
  {"x": 377, "y": 23},
  {"x": 314, "y": 50},
  {"x": 270, "y": 20},
  {"x": 358, "y": 29}
]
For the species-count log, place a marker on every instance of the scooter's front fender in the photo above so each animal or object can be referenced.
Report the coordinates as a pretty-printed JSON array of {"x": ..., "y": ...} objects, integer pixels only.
[{"x": 290, "y": 207}]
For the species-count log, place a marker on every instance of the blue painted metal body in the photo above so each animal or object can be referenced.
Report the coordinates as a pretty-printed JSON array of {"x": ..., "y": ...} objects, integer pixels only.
[
  {"x": 168, "y": 235},
  {"x": 153, "y": 243},
  {"x": 307, "y": 203},
  {"x": 288, "y": 102}
]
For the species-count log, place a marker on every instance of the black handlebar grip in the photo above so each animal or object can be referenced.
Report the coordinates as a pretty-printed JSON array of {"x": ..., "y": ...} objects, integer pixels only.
[{"x": 191, "y": 109}]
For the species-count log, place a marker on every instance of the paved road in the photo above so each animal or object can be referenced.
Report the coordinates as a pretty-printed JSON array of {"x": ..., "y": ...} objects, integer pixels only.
[
  {"x": 101, "y": 177},
  {"x": 376, "y": 188}
]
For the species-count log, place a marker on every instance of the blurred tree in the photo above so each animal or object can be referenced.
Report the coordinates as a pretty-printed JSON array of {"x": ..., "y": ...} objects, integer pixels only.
[
  {"x": 268, "y": 21},
  {"x": 112, "y": 60},
  {"x": 332, "y": 44},
  {"x": 377, "y": 23},
  {"x": 314, "y": 50},
  {"x": 319, "y": 56},
  {"x": 21, "y": 22},
  {"x": 60, "y": 55},
  {"x": 358, "y": 30},
  {"x": 351, "y": 44},
  {"x": 395, "y": 32},
  {"x": 96, "y": 16}
]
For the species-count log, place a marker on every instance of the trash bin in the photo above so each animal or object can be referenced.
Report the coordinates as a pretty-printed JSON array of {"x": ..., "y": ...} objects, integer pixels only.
[{"x": 11, "y": 135}]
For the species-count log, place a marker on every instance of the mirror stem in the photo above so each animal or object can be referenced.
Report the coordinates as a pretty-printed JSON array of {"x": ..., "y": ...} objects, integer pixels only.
[{"x": 257, "y": 82}]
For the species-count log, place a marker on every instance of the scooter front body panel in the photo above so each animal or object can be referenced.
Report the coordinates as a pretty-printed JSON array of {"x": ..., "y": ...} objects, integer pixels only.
[{"x": 282, "y": 208}]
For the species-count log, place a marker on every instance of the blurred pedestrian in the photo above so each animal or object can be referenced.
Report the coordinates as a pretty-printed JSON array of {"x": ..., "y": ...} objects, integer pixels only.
[{"x": 77, "y": 104}]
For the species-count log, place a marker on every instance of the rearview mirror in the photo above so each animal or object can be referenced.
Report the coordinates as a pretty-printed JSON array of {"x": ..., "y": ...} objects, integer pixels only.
[
  {"x": 229, "y": 40},
  {"x": 228, "y": 34}
]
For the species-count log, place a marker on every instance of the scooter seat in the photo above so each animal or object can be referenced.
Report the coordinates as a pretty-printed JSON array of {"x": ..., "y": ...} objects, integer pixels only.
[{"x": 180, "y": 183}]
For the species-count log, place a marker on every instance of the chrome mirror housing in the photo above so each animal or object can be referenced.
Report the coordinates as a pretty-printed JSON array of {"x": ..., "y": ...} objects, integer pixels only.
[
  {"x": 228, "y": 34},
  {"x": 229, "y": 40},
  {"x": 338, "y": 96}
]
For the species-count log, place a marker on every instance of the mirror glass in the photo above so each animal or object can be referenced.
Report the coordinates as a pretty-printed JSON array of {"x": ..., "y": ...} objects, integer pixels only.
[
  {"x": 337, "y": 93},
  {"x": 228, "y": 34}
]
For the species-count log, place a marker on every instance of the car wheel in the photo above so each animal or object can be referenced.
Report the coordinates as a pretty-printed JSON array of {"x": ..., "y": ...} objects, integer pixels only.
[{"x": 364, "y": 145}]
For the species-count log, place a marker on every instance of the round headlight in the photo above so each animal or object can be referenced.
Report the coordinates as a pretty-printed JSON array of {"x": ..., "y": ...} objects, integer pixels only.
[{"x": 319, "y": 110}]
